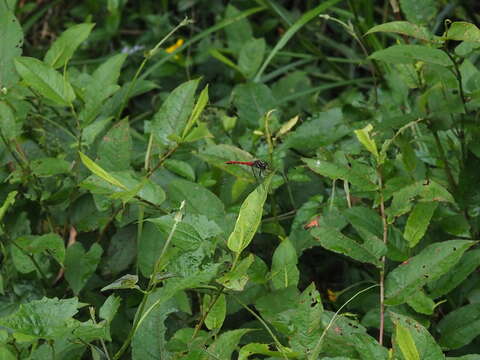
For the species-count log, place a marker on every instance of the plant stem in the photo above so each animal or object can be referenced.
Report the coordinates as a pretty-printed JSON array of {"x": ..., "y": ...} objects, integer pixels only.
[{"x": 382, "y": 270}]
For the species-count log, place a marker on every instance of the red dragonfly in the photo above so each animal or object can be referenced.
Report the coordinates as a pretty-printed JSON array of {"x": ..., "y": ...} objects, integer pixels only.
[{"x": 260, "y": 165}]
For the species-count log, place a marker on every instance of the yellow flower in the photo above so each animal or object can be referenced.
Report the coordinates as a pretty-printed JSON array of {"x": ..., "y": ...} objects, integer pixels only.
[{"x": 175, "y": 46}]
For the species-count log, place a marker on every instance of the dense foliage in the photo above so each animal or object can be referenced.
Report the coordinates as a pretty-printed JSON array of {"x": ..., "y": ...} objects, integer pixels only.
[{"x": 126, "y": 235}]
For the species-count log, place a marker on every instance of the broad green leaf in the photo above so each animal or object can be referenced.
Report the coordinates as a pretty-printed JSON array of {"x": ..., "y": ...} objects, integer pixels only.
[
  {"x": 249, "y": 217},
  {"x": 65, "y": 45},
  {"x": 149, "y": 339},
  {"x": 100, "y": 172},
  {"x": 45, "y": 80},
  {"x": 199, "y": 200},
  {"x": 419, "y": 12},
  {"x": 6, "y": 353},
  {"x": 127, "y": 281},
  {"x": 421, "y": 303},
  {"x": 102, "y": 85},
  {"x": 253, "y": 101},
  {"x": 216, "y": 314},
  {"x": 469, "y": 262},
  {"x": 9, "y": 201},
  {"x": 405, "y": 342},
  {"x": 226, "y": 343},
  {"x": 418, "y": 221},
  {"x": 110, "y": 308},
  {"x": 237, "y": 278},
  {"x": 431, "y": 263},
  {"x": 173, "y": 115},
  {"x": 10, "y": 126},
  {"x": 181, "y": 168},
  {"x": 217, "y": 155},
  {"x": 48, "y": 244},
  {"x": 362, "y": 217},
  {"x": 52, "y": 319},
  {"x": 462, "y": 31},
  {"x": 45, "y": 167},
  {"x": 239, "y": 32},
  {"x": 115, "y": 149},
  {"x": 199, "y": 132},
  {"x": 459, "y": 327},
  {"x": 80, "y": 265},
  {"x": 202, "y": 101},
  {"x": 11, "y": 45},
  {"x": 265, "y": 349},
  {"x": 334, "y": 171},
  {"x": 406, "y": 54},
  {"x": 427, "y": 347},
  {"x": 251, "y": 56},
  {"x": 322, "y": 129},
  {"x": 284, "y": 266},
  {"x": 404, "y": 28},
  {"x": 332, "y": 239},
  {"x": 403, "y": 199},
  {"x": 363, "y": 135},
  {"x": 122, "y": 251}
]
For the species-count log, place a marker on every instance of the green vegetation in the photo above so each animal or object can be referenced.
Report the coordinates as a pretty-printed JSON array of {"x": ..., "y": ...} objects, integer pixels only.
[{"x": 125, "y": 235}]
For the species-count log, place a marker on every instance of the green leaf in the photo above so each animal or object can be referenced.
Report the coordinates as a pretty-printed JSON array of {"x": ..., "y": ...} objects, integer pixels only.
[
  {"x": 239, "y": 32},
  {"x": 363, "y": 135},
  {"x": 115, "y": 149},
  {"x": 100, "y": 172},
  {"x": 251, "y": 56},
  {"x": 51, "y": 319},
  {"x": 419, "y": 12},
  {"x": 334, "y": 171},
  {"x": 199, "y": 200},
  {"x": 332, "y": 239},
  {"x": 9, "y": 201},
  {"x": 322, "y": 129},
  {"x": 110, "y": 308},
  {"x": 404, "y": 28},
  {"x": 418, "y": 221},
  {"x": 65, "y": 45},
  {"x": 253, "y": 101},
  {"x": 427, "y": 347},
  {"x": 80, "y": 265},
  {"x": 421, "y": 303},
  {"x": 265, "y": 349},
  {"x": 304, "y": 19},
  {"x": 431, "y": 263},
  {"x": 462, "y": 31},
  {"x": 216, "y": 315},
  {"x": 101, "y": 86},
  {"x": 202, "y": 101},
  {"x": 45, "y": 80},
  {"x": 127, "y": 281},
  {"x": 121, "y": 253},
  {"x": 181, "y": 168},
  {"x": 149, "y": 339},
  {"x": 10, "y": 126},
  {"x": 249, "y": 218},
  {"x": 237, "y": 278},
  {"x": 405, "y": 341},
  {"x": 226, "y": 343},
  {"x": 172, "y": 116},
  {"x": 459, "y": 327},
  {"x": 406, "y": 54},
  {"x": 469, "y": 262},
  {"x": 284, "y": 266},
  {"x": 11, "y": 45},
  {"x": 45, "y": 167},
  {"x": 48, "y": 244}
]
